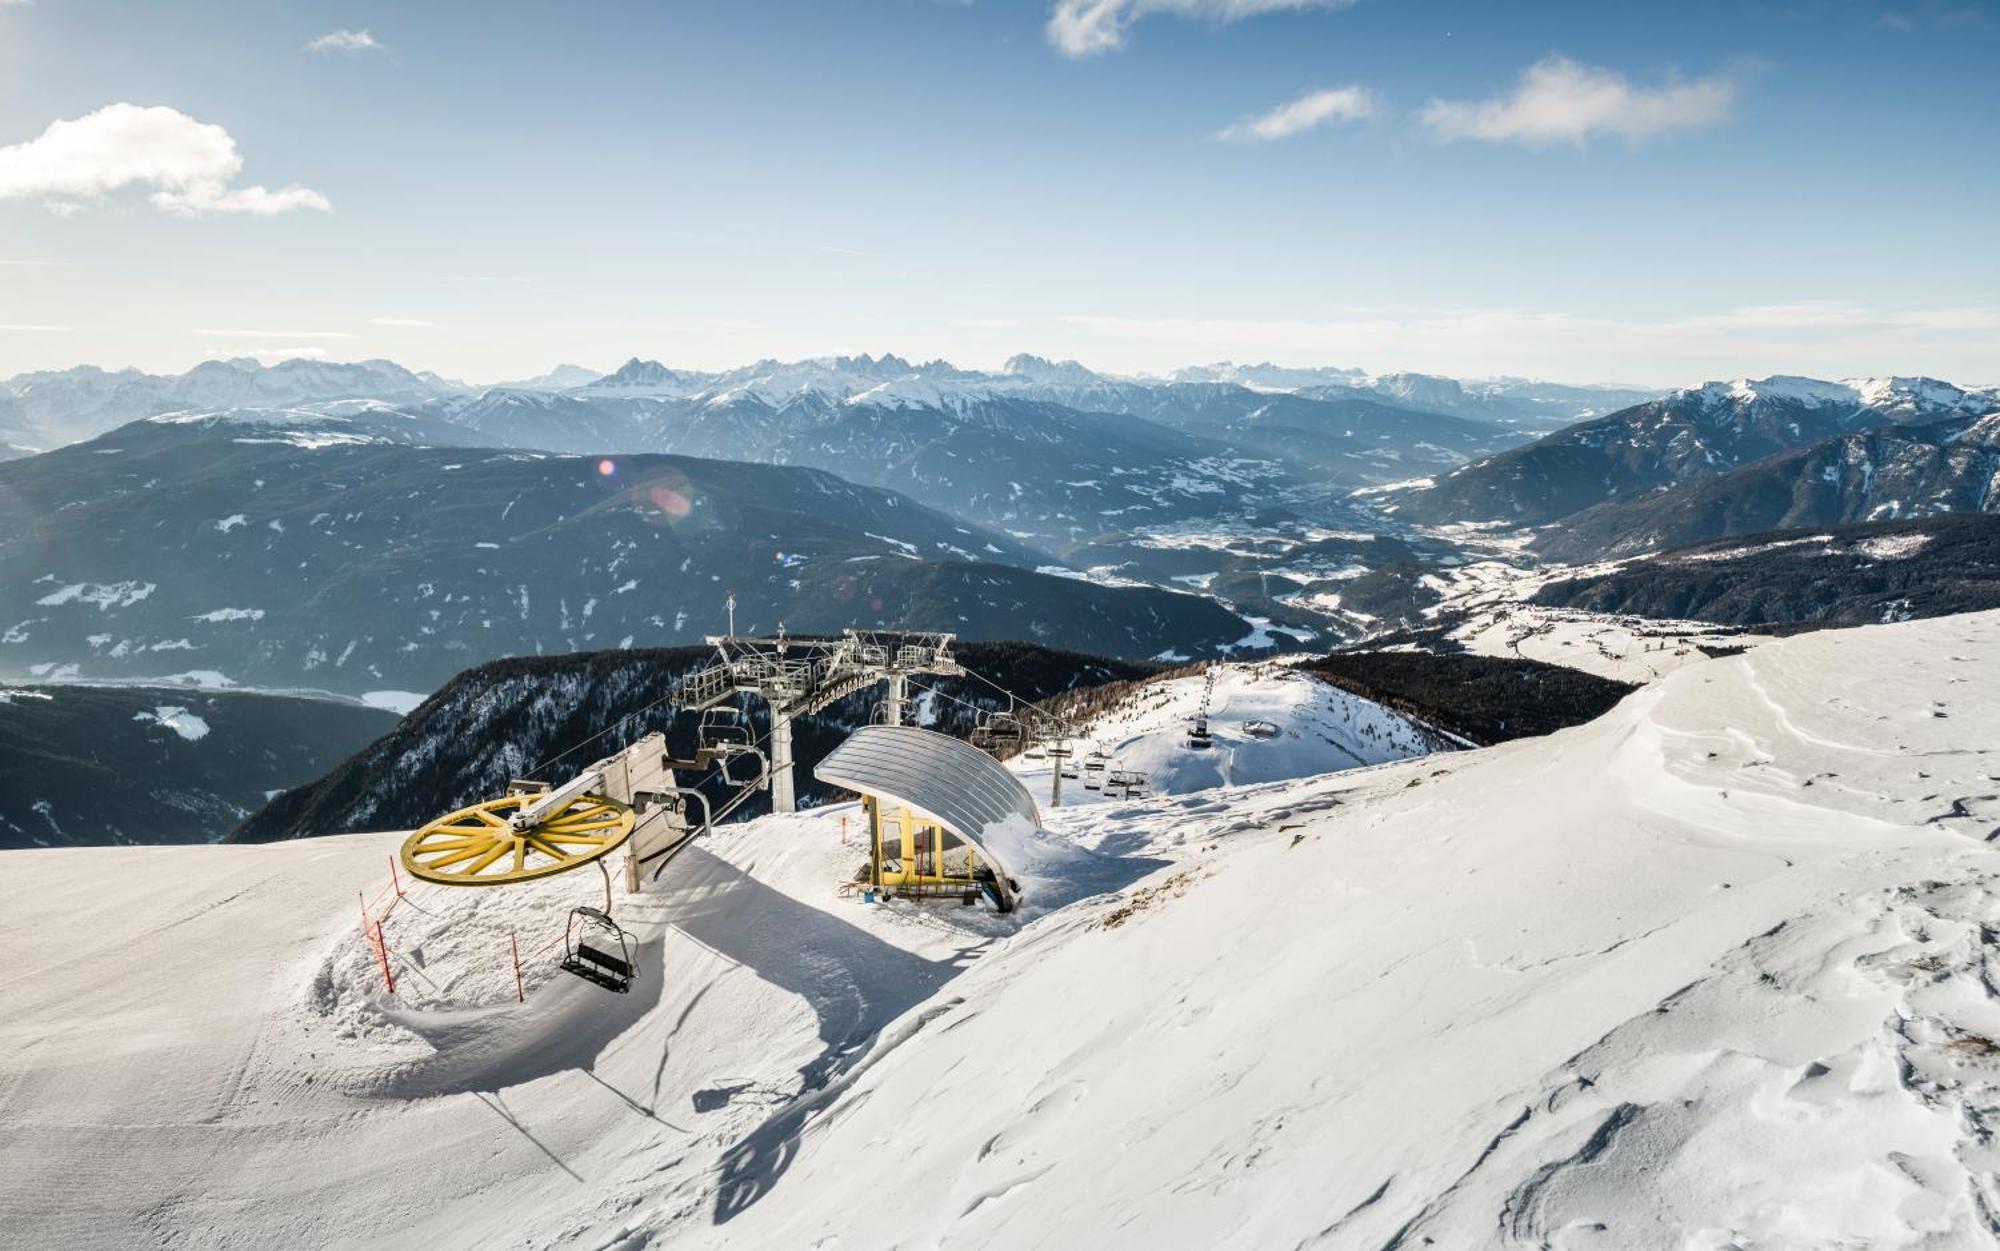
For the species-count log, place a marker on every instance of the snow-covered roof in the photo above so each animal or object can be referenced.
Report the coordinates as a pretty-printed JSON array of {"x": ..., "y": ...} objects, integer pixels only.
[{"x": 966, "y": 790}]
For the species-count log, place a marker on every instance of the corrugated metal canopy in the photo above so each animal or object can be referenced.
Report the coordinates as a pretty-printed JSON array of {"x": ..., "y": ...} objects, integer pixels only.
[{"x": 965, "y": 789}]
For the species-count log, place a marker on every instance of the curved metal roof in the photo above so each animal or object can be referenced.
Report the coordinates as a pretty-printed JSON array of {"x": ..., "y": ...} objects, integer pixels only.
[{"x": 964, "y": 788}]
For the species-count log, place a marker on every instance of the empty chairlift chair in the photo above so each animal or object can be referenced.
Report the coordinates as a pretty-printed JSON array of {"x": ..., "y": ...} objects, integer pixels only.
[
  {"x": 596, "y": 963},
  {"x": 724, "y": 737}
]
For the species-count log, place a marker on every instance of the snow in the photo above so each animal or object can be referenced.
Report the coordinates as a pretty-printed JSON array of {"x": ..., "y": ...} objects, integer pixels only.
[
  {"x": 1322, "y": 729},
  {"x": 178, "y": 719},
  {"x": 1757, "y": 549},
  {"x": 231, "y": 614},
  {"x": 1893, "y": 546},
  {"x": 1491, "y": 596},
  {"x": 402, "y": 703},
  {"x": 1899, "y": 397},
  {"x": 1708, "y": 972},
  {"x": 208, "y": 679},
  {"x": 103, "y": 596}
]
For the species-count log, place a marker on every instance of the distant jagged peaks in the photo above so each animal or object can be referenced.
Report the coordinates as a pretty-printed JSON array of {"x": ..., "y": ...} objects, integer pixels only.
[
  {"x": 1267, "y": 376},
  {"x": 1914, "y": 397},
  {"x": 1042, "y": 369},
  {"x": 637, "y": 373}
]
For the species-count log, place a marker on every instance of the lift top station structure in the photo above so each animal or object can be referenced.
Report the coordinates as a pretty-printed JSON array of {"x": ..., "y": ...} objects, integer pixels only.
[
  {"x": 799, "y": 677},
  {"x": 934, "y": 803},
  {"x": 537, "y": 829}
]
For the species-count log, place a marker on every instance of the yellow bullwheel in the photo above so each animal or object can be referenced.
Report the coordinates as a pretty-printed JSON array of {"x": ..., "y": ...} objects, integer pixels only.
[{"x": 489, "y": 843}]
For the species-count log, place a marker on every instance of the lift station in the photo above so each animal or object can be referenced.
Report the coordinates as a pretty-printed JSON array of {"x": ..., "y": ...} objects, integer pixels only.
[{"x": 933, "y": 802}]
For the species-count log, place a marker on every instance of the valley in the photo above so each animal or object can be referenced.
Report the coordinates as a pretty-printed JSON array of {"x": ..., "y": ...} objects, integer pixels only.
[{"x": 380, "y": 533}]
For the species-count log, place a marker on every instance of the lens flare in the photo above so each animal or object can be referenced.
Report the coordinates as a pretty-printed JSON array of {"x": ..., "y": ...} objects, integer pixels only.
[
  {"x": 607, "y": 467},
  {"x": 670, "y": 502}
]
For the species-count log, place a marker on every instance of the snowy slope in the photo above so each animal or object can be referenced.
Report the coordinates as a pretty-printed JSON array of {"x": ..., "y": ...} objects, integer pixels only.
[
  {"x": 1707, "y": 972},
  {"x": 1315, "y": 728},
  {"x": 1653, "y": 982},
  {"x": 1487, "y": 605}
]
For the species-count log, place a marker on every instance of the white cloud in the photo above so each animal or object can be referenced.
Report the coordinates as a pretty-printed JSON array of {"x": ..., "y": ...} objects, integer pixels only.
[
  {"x": 988, "y": 323},
  {"x": 287, "y": 353},
  {"x": 276, "y": 334},
  {"x": 344, "y": 41},
  {"x": 401, "y": 321},
  {"x": 1315, "y": 108},
  {"x": 1559, "y": 101},
  {"x": 189, "y": 164},
  {"x": 32, "y": 329},
  {"x": 1088, "y": 27}
]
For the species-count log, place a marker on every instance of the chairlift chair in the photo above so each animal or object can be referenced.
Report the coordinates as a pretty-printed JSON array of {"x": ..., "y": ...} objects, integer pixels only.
[
  {"x": 743, "y": 766},
  {"x": 596, "y": 964},
  {"x": 723, "y": 727},
  {"x": 1007, "y": 730}
]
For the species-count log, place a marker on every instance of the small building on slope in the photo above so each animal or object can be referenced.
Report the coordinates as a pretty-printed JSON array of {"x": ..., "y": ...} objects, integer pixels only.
[{"x": 933, "y": 806}]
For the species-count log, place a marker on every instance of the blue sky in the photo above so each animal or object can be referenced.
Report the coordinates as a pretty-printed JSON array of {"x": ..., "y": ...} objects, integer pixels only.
[{"x": 1656, "y": 194}]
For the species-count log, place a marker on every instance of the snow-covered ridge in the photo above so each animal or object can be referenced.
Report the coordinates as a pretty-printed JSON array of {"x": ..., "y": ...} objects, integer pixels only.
[
  {"x": 1897, "y": 396},
  {"x": 1707, "y": 972}
]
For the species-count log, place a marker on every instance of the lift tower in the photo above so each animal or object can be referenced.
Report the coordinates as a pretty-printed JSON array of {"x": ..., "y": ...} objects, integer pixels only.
[{"x": 797, "y": 677}]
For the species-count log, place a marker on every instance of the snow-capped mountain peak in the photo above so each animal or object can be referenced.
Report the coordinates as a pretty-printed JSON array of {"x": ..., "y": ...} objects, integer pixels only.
[{"x": 1901, "y": 398}]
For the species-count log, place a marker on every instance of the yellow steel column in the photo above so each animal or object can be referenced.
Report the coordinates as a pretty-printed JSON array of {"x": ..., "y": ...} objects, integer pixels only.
[
  {"x": 874, "y": 810},
  {"x": 909, "y": 824}
]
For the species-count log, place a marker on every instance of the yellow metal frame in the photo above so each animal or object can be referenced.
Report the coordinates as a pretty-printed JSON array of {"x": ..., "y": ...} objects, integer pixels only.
[
  {"x": 900, "y": 845},
  {"x": 479, "y": 846}
]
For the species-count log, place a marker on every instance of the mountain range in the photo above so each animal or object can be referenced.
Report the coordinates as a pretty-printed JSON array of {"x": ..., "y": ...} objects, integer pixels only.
[
  {"x": 1693, "y": 433},
  {"x": 308, "y": 549},
  {"x": 957, "y": 497},
  {"x": 48, "y": 408},
  {"x": 1880, "y": 472},
  {"x": 51, "y": 408}
]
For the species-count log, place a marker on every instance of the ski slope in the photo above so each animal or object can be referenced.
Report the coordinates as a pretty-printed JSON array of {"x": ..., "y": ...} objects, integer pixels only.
[
  {"x": 1708, "y": 972},
  {"x": 1310, "y": 727}
]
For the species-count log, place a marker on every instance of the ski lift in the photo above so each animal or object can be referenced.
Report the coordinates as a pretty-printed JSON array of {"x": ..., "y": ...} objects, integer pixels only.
[
  {"x": 1096, "y": 761},
  {"x": 1198, "y": 736},
  {"x": 596, "y": 964},
  {"x": 998, "y": 733},
  {"x": 742, "y": 766},
  {"x": 722, "y": 728}
]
